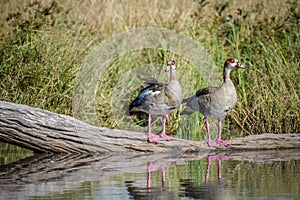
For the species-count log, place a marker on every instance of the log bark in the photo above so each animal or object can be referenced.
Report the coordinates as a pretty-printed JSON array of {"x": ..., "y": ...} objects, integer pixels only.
[{"x": 43, "y": 131}]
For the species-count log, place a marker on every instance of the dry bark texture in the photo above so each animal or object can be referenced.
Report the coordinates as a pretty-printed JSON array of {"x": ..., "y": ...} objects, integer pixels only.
[{"x": 43, "y": 131}]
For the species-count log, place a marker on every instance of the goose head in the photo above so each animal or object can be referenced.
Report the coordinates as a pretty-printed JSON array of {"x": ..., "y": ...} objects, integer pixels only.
[
  {"x": 171, "y": 65},
  {"x": 232, "y": 63}
]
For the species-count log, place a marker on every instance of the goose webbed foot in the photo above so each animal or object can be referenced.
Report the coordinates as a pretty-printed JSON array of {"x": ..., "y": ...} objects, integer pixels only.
[
  {"x": 166, "y": 137},
  {"x": 153, "y": 138},
  {"x": 212, "y": 143},
  {"x": 223, "y": 142}
]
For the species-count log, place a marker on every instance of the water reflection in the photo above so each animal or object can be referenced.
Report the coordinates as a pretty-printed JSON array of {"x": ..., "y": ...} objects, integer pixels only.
[
  {"x": 151, "y": 192},
  {"x": 237, "y": 175},
  {"x": 213, "y": 190}
]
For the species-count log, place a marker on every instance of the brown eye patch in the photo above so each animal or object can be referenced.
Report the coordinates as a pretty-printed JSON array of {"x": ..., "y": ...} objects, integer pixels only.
[
  {"x": 173, "y": 62},
  {"x": 231, "y": 60}
]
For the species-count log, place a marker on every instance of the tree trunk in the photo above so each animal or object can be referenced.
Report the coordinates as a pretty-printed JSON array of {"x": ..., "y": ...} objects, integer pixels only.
[{"x": 43, "y": 131}]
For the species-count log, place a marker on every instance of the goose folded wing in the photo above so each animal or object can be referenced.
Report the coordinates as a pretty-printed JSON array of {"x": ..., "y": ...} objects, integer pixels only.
[
  {"x": 205, "y": 91},
  {"x": 153, "y": 81}
]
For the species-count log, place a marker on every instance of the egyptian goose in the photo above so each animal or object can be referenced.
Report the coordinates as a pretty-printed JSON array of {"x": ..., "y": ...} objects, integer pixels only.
[
  {"x": 215, "y": 102},
  {"x": 159, "y": 99}
]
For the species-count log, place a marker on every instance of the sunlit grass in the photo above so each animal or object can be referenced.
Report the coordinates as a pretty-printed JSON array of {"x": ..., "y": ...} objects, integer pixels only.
[{"x": 44, "y": 44}]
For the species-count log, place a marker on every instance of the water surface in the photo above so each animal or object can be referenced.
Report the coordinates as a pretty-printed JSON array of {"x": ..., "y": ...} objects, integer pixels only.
[{"x": 235, "y": 175}]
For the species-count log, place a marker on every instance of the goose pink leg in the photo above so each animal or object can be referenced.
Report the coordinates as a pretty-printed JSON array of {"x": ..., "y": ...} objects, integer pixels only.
[
  {"x": 163, "y": 132},
  {"x": 151, "y": 137},
  {"x": 220, "y": 141},
  {"x": 163, "y": 177},
  {"x": 218, "y": 158},
  {"x": 210, "y": 142},
  {"x": 151, "y": 167}
]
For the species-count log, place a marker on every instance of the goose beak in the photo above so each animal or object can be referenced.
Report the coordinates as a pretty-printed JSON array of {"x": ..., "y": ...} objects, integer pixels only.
[{"x": 239, "y": 65}]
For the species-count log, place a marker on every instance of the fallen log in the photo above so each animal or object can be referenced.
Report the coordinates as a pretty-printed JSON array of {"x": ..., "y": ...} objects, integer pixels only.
[{"x": 43, "y": 131}]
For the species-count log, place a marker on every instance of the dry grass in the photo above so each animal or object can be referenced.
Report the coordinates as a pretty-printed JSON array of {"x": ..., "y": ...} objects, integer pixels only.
[{"x": 44, "y": 43}]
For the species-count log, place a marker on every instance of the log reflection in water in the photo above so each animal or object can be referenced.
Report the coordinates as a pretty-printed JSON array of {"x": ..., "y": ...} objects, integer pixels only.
[{"x": 44, "y": 174}]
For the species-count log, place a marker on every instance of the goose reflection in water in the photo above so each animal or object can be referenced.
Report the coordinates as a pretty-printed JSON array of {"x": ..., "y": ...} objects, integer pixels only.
[
  {"x": 213, "y": 190},
  {"x": 151, "y": 192}
]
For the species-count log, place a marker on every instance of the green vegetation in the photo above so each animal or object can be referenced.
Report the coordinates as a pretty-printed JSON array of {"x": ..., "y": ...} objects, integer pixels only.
[
  {"x": 10, "y": 153},
  {"x": 44, "y": 43}
]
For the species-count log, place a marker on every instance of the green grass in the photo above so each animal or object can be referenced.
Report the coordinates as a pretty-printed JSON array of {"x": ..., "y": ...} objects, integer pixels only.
[
  {"x": 43, "y": 46},
  {"x": 10, "y": 153}
]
